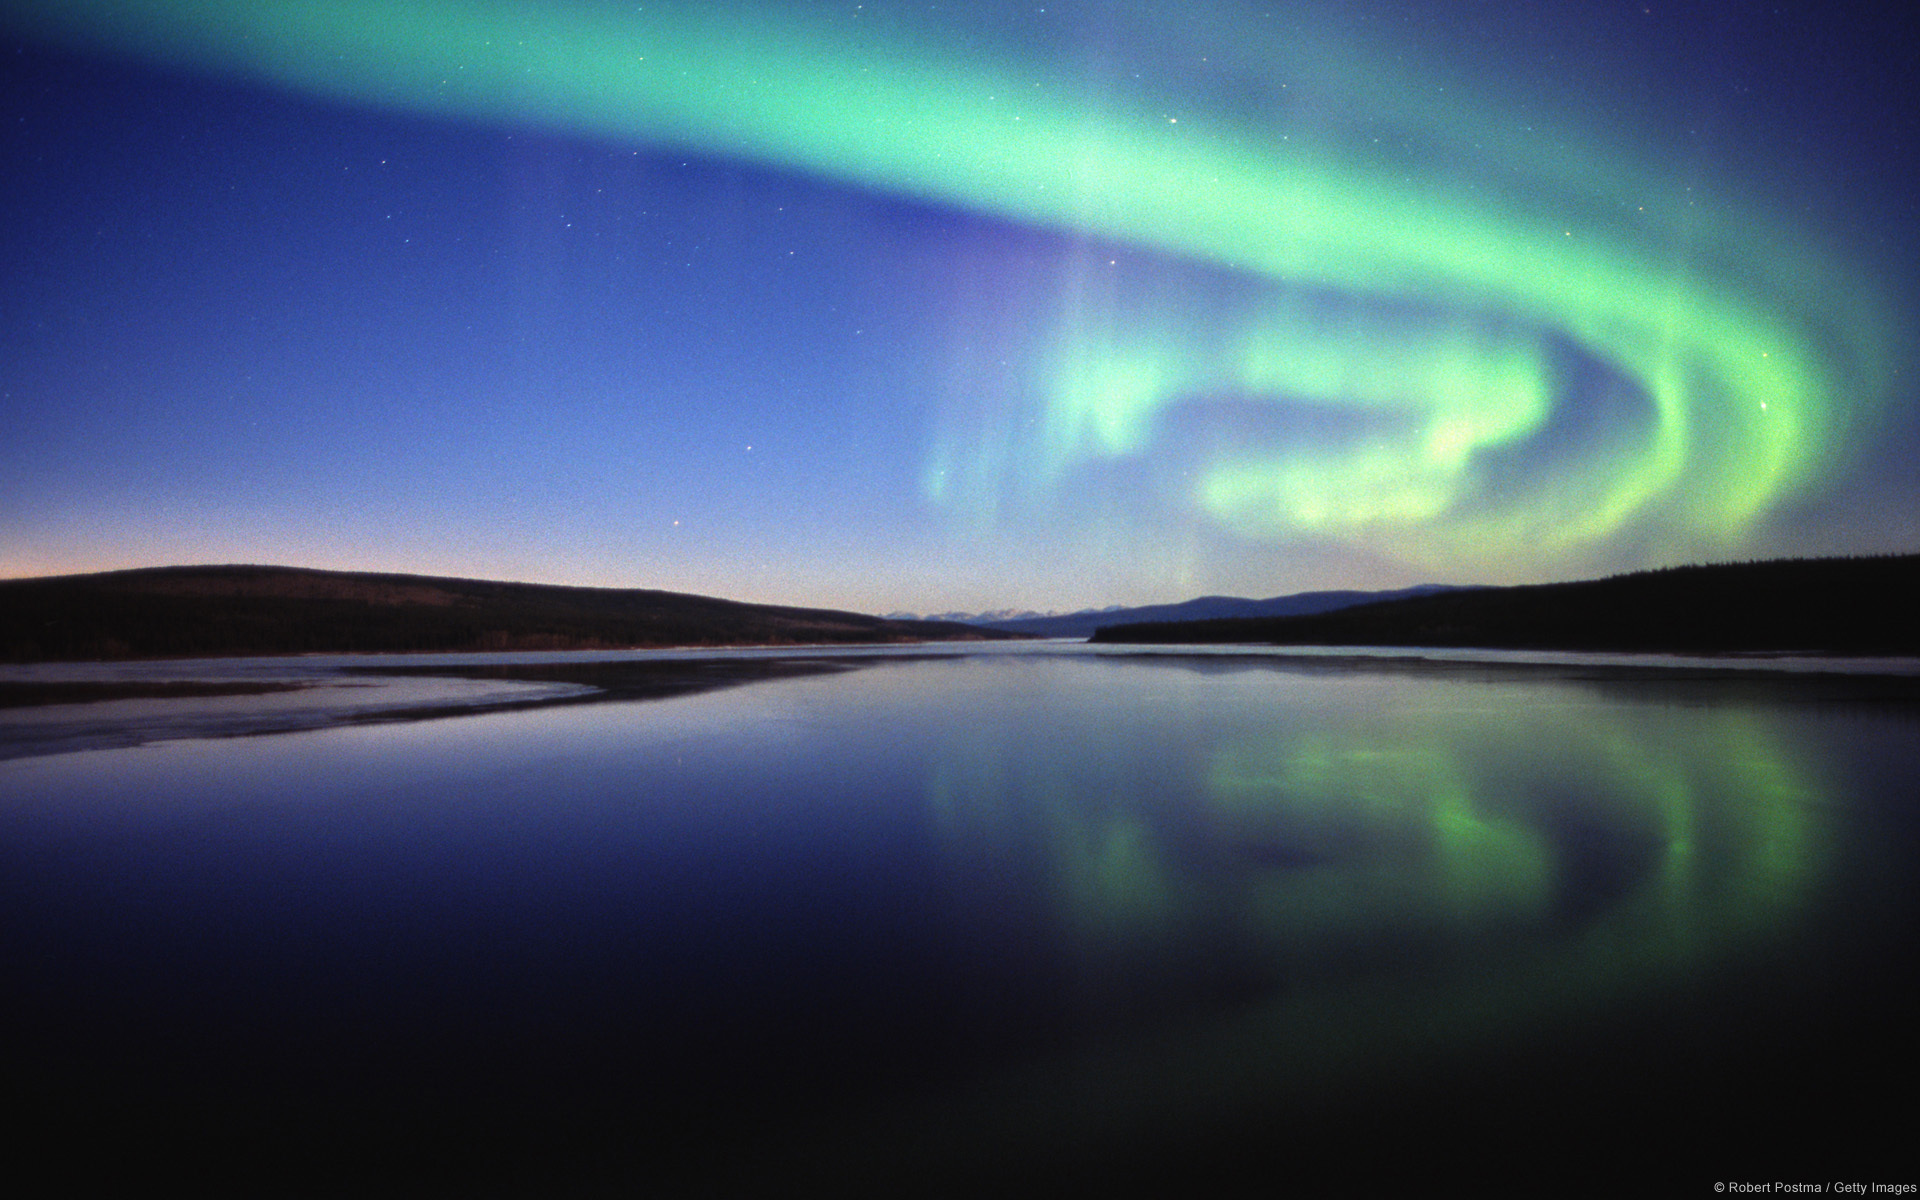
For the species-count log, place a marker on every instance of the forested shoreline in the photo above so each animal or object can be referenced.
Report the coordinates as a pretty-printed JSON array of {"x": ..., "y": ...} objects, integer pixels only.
[{"x": 1821, "y": 606}]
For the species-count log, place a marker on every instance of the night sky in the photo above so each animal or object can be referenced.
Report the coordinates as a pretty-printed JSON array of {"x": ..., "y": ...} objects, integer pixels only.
[{"x": 909, "y": 306}]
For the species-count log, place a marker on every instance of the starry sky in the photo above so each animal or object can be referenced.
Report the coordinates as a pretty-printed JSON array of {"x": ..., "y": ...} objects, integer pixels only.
[{"x": 923, "y": 307}]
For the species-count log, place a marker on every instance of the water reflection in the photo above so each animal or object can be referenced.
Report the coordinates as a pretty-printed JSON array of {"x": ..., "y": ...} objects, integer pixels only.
[
  {"x": 972, "y": 913},
  {"x": 1305, "y": 885},
  {"x": 1634, "y": 829}
]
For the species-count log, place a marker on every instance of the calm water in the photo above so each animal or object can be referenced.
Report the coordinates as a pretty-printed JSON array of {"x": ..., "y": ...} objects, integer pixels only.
[{"x": 987, "y": 918}]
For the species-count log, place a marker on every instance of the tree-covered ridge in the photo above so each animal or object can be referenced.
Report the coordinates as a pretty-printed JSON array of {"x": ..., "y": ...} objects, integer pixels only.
[
  {"x": 1827, "y": 605},
  {"x": 236, "y": 610}
]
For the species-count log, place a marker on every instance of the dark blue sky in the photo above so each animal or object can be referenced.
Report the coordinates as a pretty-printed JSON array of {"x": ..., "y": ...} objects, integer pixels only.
[{"x": 1301, "y": 323}]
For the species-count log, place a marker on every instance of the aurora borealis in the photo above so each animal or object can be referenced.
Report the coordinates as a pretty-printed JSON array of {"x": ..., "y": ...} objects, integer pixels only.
[{"x": 1046, "y": 305}]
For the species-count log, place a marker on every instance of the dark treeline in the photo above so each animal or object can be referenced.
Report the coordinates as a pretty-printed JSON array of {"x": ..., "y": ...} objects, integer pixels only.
[
  {"x": 214, "y": 611},
  {"x": 1828, "y": 605}
]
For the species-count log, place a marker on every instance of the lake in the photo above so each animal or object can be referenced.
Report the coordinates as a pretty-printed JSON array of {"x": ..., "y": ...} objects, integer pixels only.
[{"x": 982, "y": 918}]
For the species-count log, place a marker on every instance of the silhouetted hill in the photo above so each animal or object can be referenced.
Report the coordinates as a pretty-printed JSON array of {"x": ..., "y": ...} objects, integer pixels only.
[
  {"x": 1203, "y": 608},
  {"x": 232, "y": 610},
  {"x": 1832, "y": 605}
]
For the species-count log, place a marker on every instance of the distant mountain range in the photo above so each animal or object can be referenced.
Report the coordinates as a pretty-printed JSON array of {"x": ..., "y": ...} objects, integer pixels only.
[
  {"x": 1083, "y": 623},
  {"x": 1830, "y": 605},
  {"x": 169, "y": 612}
]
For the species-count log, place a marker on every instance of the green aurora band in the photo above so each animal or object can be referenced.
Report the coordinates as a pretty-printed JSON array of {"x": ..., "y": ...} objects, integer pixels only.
[{"x": 1756, "y": 360}]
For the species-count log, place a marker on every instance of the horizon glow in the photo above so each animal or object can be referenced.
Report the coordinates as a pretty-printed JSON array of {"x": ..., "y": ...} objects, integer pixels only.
[{"x": 1443, "y": 324}]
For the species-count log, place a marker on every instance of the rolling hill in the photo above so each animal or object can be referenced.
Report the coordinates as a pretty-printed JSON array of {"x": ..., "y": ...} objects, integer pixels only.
[{"x": 166, "y": 612}]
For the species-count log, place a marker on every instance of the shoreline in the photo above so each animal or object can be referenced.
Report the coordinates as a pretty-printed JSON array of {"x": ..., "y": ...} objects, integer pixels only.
[
  {"x": 38, "y": 694},
  {"x": 42, "y": 716},
  {"x": 39, "y": 718}
]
